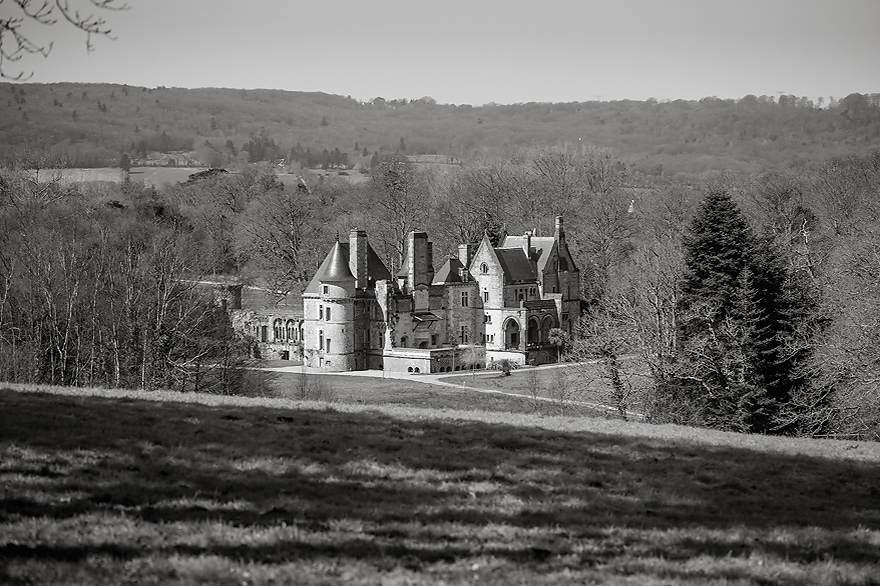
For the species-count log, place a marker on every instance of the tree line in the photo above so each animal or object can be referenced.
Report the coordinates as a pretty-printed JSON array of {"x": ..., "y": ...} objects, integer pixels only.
[
  {"x": 93, "y": 124},
  {"x": 739, "y": 301}
]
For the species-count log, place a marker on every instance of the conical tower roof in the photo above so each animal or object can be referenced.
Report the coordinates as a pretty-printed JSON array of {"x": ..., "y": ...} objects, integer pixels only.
[{"x": 335, "y": 268}]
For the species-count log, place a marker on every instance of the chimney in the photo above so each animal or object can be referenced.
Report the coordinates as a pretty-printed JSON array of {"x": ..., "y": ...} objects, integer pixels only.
[
  {"x": 430, "y": 262},
  {"x": 464, "y": 256},
  {"x": 357, "y": 257},
  {"x": 558, "y": 233},
  {"x": 417, "y": 259},
  {"x": 527, "y": 244}
]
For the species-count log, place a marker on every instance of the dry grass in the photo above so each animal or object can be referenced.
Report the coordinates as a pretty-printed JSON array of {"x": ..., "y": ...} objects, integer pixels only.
[
  {"x": 106, "y": 487},
  {"x": 378, "y": 391},
  {"x": 565, "y": 386}
]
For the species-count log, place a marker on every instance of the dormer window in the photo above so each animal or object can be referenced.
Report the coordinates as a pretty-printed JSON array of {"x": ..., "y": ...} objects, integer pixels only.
[{"x": 325, "y": 289}]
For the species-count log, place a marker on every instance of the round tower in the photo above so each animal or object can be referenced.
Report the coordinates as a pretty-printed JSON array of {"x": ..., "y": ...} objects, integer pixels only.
[{"x": 333, "y": 308}]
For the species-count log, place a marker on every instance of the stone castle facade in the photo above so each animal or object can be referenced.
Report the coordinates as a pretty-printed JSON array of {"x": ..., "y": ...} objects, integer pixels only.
[{"x": 497, "y": 303}]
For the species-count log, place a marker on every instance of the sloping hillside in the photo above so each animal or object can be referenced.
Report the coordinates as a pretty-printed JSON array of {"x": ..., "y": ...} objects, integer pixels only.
[
  {"x": 93, "y": 124},
  {"x": 177, "y": 489}
]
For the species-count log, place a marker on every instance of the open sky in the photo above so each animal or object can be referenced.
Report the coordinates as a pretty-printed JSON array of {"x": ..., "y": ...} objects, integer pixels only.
[{"x": 480, "y": 51}]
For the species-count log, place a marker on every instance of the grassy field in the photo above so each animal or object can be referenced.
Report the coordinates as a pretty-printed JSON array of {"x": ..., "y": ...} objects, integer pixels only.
[
  {"x": 112, "y": 487},
  {"x": 381, "y": 391},
  {"x": 565, "y": 385}
]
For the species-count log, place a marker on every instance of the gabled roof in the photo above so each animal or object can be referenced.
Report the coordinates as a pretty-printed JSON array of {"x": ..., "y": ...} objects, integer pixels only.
[
  {"x": 376, "y": 269},
  {"x": 540, "y": 250},
  {"x": 450, "y": 272},
  {"x": 515, "y": 265}
]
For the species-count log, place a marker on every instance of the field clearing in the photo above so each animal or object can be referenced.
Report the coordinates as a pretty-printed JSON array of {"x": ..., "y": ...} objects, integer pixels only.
[
  {"x": 362, "y": 390},
  {"x": 110, "y": 487},
  {"x": 158, "y": 177},
  {"x": 565, "y": 385}
]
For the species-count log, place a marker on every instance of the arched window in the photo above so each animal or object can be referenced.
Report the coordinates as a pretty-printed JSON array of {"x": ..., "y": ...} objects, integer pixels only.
[
  {"x": 546, "y": 326},
  {"x": 511, "y": 334},
  {"x": 484, "y": 268},
  {"x": 534, "y": 331},
  {"x": 277, "y": 330},
  {"x": 291, "y": 330}
]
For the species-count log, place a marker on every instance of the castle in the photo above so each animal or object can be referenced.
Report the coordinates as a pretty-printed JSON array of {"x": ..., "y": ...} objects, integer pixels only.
[{"x": 497, "y": 303}]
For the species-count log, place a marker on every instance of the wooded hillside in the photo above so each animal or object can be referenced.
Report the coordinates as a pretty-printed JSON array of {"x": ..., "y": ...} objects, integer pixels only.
[{"x": 94, "y": 124}]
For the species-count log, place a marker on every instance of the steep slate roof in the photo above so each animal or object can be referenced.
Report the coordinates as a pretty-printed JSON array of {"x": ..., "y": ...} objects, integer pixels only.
[
  {"x": 450, "y": 272},
  {"x": 376, "y": 269},
  {"x": 515, "y": 265},
  {"x": 335, "y": 268},
  {"x": 540, "y": 249}
]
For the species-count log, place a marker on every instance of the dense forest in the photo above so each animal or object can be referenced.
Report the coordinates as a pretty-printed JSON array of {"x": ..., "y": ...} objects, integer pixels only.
[{"x": 93, "y": 125}]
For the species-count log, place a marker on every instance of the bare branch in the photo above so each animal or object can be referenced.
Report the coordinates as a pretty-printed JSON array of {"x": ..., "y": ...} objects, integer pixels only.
[{"x": 15, "y": 43}]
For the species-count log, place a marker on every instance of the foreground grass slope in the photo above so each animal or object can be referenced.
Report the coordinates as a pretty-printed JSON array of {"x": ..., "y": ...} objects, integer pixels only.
[{"x": 112, "y": 489}]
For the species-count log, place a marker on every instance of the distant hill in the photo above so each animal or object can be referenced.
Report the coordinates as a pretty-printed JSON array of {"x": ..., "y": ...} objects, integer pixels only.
[{"x": 93, "y": 124}]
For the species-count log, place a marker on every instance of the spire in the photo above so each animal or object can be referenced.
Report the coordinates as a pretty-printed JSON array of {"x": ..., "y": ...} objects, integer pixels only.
[{"x": 336, "y": 268}]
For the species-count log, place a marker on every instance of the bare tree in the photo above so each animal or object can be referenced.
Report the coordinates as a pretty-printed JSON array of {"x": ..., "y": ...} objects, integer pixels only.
[
  {"x": 400, "y": 198},
  {"x": 16, "y": 37},
  {"x": 280, "y": 236}
]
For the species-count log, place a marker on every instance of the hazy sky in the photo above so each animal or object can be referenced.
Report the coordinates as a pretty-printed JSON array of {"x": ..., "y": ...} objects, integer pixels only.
[{"x": 479, "y": 51}]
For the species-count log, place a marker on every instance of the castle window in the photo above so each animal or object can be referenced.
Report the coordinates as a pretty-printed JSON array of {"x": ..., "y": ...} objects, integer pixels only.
[
  {"x": 320, "y": 312},
  {"x": 464, "y": 299},
  {"x": 433, "y": 339},
  {"x": 403, "y": 341},
  {"x": 464, "y": 335},
  {"x": 328, "y": 314},
  {"x": 320, "y": 339},
  {"x": 277, "y": 330},
  {"x": 487, "y": 319},
  {"x": 484, "y": 268},
  {"x": 485, "y": 296},
  {"x": 325, "y": 289},
  {"x": 327, "y": 341}
]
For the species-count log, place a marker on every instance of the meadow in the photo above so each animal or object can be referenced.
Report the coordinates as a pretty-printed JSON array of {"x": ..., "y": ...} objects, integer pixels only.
[
  {"x": 111, "y": 487},
  {"x": 360, "y": 390}
]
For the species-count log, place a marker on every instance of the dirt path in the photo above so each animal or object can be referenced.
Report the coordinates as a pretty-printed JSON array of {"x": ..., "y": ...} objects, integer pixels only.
[{"x": 438, "y": 380}]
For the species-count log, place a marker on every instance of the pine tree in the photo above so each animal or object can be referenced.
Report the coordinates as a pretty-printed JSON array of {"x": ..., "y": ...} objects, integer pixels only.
[
  {"x": 717, "y": 250},
  {"x": 735, "y": 320}
]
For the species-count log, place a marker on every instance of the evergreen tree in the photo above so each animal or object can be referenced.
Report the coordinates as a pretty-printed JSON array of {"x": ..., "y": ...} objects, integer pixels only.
[
  {"x": 735, "y": 318},
  {"x": 717, "y": 249}
]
